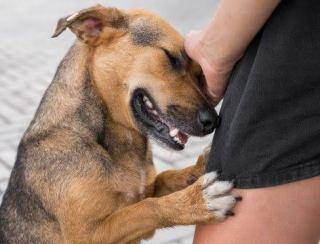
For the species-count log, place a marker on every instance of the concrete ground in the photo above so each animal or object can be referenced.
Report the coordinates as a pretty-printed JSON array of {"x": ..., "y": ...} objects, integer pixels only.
[{"x": 29, "y": 58}]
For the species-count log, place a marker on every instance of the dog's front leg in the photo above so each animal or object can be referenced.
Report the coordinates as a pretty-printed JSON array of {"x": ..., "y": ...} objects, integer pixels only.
[
  {"x": 174, "y": 180},
  {"x": 205, "y": 201}
]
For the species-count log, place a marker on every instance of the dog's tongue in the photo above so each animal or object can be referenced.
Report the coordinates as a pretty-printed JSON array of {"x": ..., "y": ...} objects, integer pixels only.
[{"x": 183, "y": 137}]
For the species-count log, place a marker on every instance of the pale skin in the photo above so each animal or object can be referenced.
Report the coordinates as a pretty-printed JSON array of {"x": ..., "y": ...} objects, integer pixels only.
[
  {"x": 223, "y": 41},
  {"x": 282, "y": 214}
]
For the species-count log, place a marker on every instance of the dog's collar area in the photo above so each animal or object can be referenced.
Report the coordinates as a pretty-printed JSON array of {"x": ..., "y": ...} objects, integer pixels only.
[{"x": 154, "y": 122}]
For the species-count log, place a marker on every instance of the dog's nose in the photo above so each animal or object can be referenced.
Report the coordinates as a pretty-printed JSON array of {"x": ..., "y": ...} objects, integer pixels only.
[{"x": 207, "y": 119}]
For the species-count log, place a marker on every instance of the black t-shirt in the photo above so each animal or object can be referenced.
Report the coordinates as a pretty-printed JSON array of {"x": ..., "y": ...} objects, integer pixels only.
[{"x": 270, "y": 130}]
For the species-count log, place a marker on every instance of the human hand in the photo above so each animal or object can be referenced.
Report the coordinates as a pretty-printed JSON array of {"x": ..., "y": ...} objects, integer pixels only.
[{"x": 216, "y": 69}]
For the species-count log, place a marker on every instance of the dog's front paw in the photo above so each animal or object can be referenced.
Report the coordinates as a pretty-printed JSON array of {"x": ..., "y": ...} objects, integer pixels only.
[
  {"x": 206, "y": 201},
  {"x": 217, "y": 196},
  {"x": 199, "y": 168}
]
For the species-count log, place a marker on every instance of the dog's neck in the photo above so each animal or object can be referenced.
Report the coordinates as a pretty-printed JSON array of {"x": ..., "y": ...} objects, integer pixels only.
[{"x": 72, "y": 102}]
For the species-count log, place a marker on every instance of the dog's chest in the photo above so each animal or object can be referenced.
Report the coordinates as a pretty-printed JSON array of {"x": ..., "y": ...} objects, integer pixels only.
[
  {"x": 139, "y": 191},
  {"x": 140, "y": 184},
  {"x": 134, "y": 158}
]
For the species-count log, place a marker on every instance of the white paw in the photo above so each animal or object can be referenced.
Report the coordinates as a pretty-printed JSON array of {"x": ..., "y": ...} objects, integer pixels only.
[
  {"x": 208, "y": 179},
  {"x": 216, "y": 195},
  {"x": 221, "y": 206}
]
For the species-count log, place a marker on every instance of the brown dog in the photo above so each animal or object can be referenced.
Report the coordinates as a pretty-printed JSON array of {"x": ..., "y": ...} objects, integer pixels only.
[{"x": 84, "y": 170}]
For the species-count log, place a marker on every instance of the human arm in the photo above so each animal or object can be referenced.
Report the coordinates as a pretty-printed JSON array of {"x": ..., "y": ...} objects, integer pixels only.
[{"x": 223, "y": 41}]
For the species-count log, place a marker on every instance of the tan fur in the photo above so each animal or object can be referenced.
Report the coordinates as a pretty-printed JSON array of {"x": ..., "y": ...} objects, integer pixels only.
[
  {"x": 113, "y": 195},
  {"x": 100, "y": 210}
]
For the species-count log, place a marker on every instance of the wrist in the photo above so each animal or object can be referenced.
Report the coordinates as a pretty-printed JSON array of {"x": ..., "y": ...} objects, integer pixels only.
[{"x": 213, "y": 56}]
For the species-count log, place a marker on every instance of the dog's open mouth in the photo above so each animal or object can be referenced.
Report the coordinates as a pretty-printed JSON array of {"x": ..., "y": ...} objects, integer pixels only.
[{"x": 155, "y": 123}]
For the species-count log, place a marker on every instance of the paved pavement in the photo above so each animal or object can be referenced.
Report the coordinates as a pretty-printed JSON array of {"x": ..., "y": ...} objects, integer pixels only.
[{"x": 29, "y": 58}]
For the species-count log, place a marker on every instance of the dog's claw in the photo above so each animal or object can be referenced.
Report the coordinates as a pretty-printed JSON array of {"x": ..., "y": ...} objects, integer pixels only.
[
  {"x": 238, "y": 198},
  {"x": 229, "y": 213}
]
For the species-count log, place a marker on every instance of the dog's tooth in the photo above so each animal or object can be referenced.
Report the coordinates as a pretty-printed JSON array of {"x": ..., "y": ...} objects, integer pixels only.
[
  {"x": 173, "y": 132},
  {"x": 154, "y": 112},
  {"x": 149, "y": 104},
  {"x": 177, "y": 139}
]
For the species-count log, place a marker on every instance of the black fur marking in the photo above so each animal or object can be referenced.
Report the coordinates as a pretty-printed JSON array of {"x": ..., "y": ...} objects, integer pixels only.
[
  {"x": 89, "y": 109},
  {"x": 120, "y": 22},
  {"x": 144, "y": 34}
]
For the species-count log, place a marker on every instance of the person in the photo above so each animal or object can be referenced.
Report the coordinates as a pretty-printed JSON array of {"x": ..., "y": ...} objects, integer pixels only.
[{"x": 263, "y": 58}]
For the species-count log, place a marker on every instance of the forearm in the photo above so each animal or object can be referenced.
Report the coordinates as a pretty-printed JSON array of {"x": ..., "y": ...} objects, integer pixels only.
[{"x": 233, "y": 26}]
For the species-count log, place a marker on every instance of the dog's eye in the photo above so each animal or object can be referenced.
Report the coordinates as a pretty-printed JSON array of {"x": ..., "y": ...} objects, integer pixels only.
[
  {"x": 201, "y": 79},
  {"x": 174, "y": 61}
]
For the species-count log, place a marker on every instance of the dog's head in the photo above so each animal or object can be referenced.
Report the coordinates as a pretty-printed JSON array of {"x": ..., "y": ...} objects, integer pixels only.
[{"x": 142, "y": 73}]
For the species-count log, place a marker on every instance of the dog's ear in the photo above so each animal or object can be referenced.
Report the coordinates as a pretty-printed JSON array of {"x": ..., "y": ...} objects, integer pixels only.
[{"x": 93, "y": 24}]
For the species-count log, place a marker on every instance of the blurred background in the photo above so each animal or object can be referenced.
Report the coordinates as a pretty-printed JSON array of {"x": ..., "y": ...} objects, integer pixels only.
[{"x": 28, "y": 60}]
